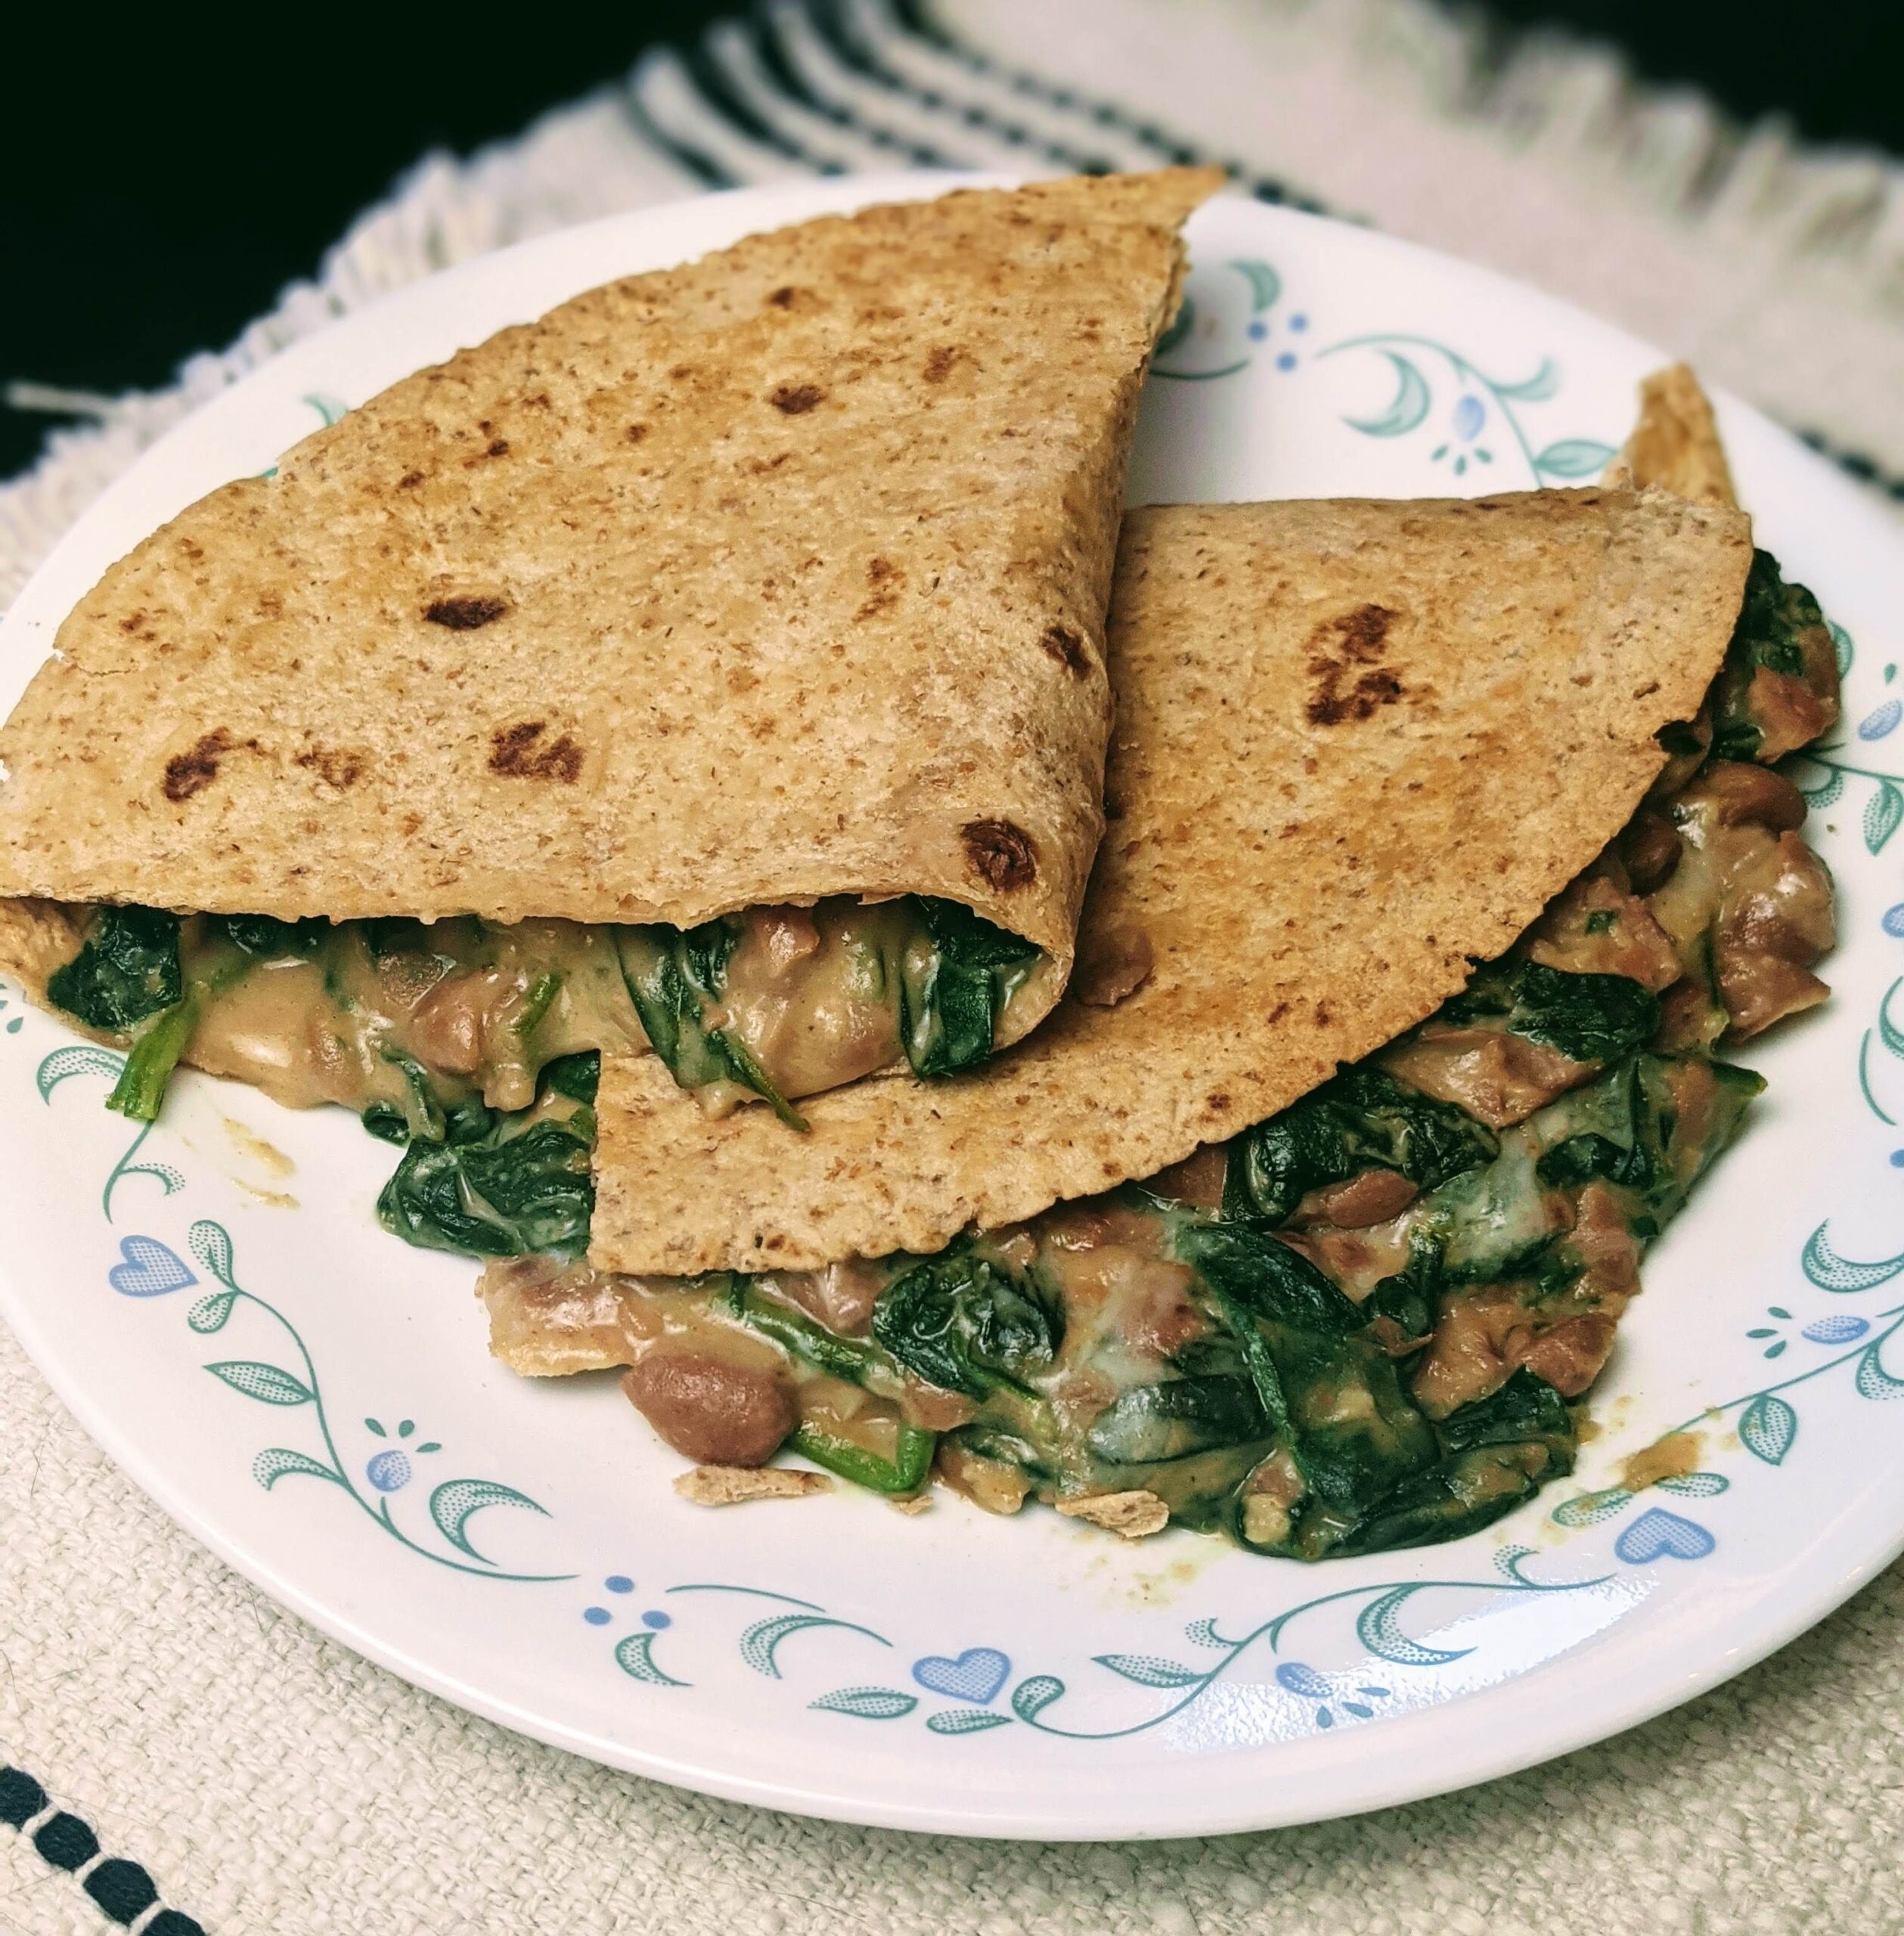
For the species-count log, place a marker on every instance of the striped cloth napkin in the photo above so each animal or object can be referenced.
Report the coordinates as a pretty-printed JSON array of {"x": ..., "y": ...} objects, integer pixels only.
[{"x": 176, "y": 1754}]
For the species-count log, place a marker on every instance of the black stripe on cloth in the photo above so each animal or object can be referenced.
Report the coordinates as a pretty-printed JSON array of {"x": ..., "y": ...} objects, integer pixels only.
[
  {"x": 122, "y": 1890},
  {"x": 914, "y": 19},
  {"x": 781, "y": 72},
  {"x": 697, "y": 161}
]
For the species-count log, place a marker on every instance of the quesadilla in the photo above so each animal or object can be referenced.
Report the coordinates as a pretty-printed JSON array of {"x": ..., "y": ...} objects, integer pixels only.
[
  {"x": 1360, "y": 745},
  {"x": 1366, "y": 1319},
  {"x": 714, "y": 666}
]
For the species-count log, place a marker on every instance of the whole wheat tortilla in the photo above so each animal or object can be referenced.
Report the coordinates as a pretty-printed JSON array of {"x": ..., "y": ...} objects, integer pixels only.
[
  {"x": 1675, "y": 444},
  {"x": 1359, "y": 747},
  {"x": 779, "y": 575}
]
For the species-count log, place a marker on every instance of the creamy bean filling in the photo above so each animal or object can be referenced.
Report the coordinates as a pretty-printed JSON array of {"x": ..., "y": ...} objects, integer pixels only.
[{"x": 405, "y": 1022}]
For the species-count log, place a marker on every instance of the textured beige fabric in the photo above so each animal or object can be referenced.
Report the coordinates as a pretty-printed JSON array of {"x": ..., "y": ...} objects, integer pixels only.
[{"x": 276, "y": 1784}]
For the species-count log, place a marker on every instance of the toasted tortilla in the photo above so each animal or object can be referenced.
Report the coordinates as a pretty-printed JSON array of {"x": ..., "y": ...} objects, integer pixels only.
[
  {"x": 780, "y": 575},
  {"x": 1675, "y": 444},
  {"x": 1359, "y": 746}
]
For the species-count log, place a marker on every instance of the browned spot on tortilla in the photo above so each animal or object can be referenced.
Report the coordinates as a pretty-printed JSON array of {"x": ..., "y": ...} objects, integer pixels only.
[
  {"x": 498, "y": 447},
  {"x": 938, "y": 364},
  {"x": 1322, "y": 1015},
  {"x": 782, "y": 298},
  {"x": 192, "y": 771},
  {"x": 1340, "y": 646},
  {"x": 409, "y": 480},
  {"x": 796, "y": 399},
  {"x": 1065, "y": 646},
  {"x": 334, "y": 766},
  {"x": 465, "y": 612},
  {"x": 885, "y": 577},
  {"x": 518, "y": 753},
  {"x": 1003, "y": 854},
  {"x": 636, "y": 431}
]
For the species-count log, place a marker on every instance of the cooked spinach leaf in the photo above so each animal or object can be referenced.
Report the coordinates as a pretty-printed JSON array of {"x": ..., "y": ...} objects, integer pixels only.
[
  {"x": 576, "y": 1076},
  {"x": 674, "y": 976},
  {"x": 1177, "y": 1419},
  {"x": 1263, "y": 1276},
  {"x": 264, "y": 936},
  {"x": 951, "y": 992},
  {"x": 127, "y": 969},
  {"x": 1777, "y": 622},
  {"x": 1592, "y": 1018},
  {"x": 852, "y": 1359},
  {"x": 1362, "y": 1118},
  {"x": 520, "y": 1183},
  {"x": 905, "y": 1471},
  {"x": 968, "y": 1324},
  {"x": 157, "y": 1043},
  {"x": 1525, "y": 1407}
]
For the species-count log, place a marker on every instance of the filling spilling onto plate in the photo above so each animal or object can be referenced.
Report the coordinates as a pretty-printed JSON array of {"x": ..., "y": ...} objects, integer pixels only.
[
  {"x": 1365, "y": 1323},
  {"x": 429, "y": 1032}
]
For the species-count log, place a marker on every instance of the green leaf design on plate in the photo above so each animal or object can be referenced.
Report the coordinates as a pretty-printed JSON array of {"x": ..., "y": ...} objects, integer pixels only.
[
  {"x": 268, "y": 1383},
  {"x": 80, "y": 1060},
  {"x": 1379, "y": 1627},
  {"x": 1767, "y": 1427},
  {"x": 456, "y": 1502},
  {"x": 1884, "y": 813},
  {"x": 1830, "y": 1272},
  {"x": 211, "y": 1244},
  {"x": 1204, "y": 1632},
  {"x": 761, "y": 1641},
  {"x": 1573, "y": 457},
  {"x": 1589, "y": 1508},
  {"x": 1035, "y": 1693},
  {"x": 634, "y": 1655},
  {"x": 1149, "y": 1670},
  {"x": 278, "y": 1462},
  {"x": 1408, "y": 407},
  {"x": 965, "y": 1720},
  {"x": 1828, "y": 790},
  {"x": 868, "y": 1704},
  {"x": 1695, "y": 1485},
  {"x": 1873, "y": 1380},
  {"x": 210, "y": 1312},
  {"x": 1535, "y": 389},
  {"x": 1265, "y": 285}
]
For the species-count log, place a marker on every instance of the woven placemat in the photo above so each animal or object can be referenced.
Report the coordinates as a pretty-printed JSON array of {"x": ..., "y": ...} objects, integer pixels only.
[{"x": 184, "y": 1755}]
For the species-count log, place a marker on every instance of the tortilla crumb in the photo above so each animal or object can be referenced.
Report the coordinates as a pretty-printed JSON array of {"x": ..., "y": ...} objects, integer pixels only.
[
  {"x": 918, "y": 1502},
  {"x": 1131, "y": 1516},
  {"x": 734, "y": 1485}
]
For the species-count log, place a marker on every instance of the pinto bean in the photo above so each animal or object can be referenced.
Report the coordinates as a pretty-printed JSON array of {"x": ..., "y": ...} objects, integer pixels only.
[
  {"x": 1500, "y": 1077},
  {"x": 1572, "y": 1354},
  {"x": 710, "y": 1410},
  {"x": 1754, "y": 796},
  {"x": 446, "y": 1027},
  {"x": 1372, "y": 1197},
  {"x": 1650, "y": 847}
]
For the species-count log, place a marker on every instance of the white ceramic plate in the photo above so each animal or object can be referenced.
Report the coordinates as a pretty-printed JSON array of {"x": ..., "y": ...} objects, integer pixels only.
[{"x": 314, "y": 1401}]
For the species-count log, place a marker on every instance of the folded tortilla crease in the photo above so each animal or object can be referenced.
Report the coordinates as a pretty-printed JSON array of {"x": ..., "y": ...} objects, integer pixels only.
[
  {"x": 1359, "y": 747},
  {"x": 778, "y": 575}
]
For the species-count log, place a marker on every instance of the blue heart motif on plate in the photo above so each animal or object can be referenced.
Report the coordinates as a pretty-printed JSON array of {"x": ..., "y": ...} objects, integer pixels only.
[
  {"x": 975, "y": 1676},
  {"x": 1658, "y": 1534},
  {"x": 149, "y": 1270}
]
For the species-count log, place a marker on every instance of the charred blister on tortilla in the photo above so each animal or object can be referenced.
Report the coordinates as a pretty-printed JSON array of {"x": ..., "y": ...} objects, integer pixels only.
[
  {"x": 1368, "y": 1321},
  {"x": 394, "y": 1015}
]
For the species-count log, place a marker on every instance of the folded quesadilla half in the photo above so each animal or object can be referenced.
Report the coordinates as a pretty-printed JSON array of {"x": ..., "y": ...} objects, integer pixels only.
[
  {"x": 715, "y": 665},
  {"x": 1363, "y": 1315}
]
